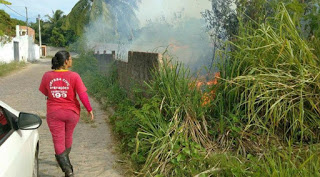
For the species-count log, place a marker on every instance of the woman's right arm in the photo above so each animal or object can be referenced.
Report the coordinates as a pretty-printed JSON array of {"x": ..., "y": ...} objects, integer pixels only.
[{"x": 42, "y": 87}]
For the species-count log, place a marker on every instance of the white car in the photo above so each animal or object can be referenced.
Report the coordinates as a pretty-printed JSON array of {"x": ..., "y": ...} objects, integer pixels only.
[{"x": 19, "y": 143}]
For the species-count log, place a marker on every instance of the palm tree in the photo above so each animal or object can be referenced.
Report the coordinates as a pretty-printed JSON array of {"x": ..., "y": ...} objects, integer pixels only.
[
  {"x": 52, "y": 31},
  {"x": 55, "y": 18},
  {"x": 119, "y": 15},
  {"x": 124, "y": 16}
]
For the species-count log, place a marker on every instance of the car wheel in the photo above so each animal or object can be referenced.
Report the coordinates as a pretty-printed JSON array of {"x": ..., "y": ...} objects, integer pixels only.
[{"x": 36, "y": 165}]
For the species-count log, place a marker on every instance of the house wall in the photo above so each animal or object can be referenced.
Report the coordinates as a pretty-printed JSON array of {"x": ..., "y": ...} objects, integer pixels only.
[
  {"x": 6, "y": 52},
  {"x": 28, "y": 50}
]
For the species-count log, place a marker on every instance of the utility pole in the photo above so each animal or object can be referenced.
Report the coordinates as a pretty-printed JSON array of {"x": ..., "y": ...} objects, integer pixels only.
[
  {"x": 27, "y": 21},
  {"x": 40, "y": 43}
]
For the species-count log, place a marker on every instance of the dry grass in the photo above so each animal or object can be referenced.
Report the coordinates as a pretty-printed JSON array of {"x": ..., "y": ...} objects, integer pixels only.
[{"x": 7, "y": 68}]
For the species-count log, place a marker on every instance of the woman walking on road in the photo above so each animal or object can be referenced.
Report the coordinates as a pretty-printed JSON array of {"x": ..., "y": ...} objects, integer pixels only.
[{"x": 60, "y": 86}]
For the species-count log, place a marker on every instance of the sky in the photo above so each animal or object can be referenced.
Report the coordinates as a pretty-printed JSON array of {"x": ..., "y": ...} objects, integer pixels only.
[
  {"x": 149, "y": 9},
  {"x": 35, "y": 7}
]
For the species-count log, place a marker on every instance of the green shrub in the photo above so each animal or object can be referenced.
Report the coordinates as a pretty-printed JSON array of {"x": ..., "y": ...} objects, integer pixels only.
[
  {"x": 172, "y": 137},
  {"x": 262, "y": 121},
  {"x": 86, "y": 62}
]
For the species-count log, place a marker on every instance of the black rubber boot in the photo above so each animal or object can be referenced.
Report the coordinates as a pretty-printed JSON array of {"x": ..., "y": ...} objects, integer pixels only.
[
  {"x": 68, "y": 152},
  {"x": 64, "y": 164}
]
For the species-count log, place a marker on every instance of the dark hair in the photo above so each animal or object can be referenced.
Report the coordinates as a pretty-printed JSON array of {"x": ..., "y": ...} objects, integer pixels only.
[{"x": 59, "y": 59}]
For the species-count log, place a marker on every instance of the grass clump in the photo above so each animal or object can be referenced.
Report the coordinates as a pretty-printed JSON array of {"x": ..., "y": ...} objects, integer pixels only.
[
  {"x": 270, "y": 85},
  {"x": 6, "y": 68},
  {"x": 265, "y": 112}
]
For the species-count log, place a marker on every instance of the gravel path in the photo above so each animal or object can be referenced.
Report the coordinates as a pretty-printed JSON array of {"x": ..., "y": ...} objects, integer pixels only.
[{"x": 93, "y": 151}]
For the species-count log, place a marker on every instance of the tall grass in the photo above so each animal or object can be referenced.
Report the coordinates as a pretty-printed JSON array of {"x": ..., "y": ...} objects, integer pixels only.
[
  {"x": 271, "y": 83},
  {"x": 173, "y": 135},
  {"x": 6, "y": 68},
  {"x": 263, "y": 120}
]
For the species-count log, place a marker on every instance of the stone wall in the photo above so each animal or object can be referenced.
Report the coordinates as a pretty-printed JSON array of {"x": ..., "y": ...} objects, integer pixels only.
[
  {"x": 104, "y": 62},
  {"x": 133, "y": 73}
]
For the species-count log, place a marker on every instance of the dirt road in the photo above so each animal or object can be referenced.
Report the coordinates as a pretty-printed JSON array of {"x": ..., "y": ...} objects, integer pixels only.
[{"x": 93, "y": 151}]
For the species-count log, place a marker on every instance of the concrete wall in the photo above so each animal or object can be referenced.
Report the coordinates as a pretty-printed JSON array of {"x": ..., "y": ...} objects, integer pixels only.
[
  {"x": 136, "y": 71},
  {"x": 33, "y": 51},
  {"x": 51, "y": 51},
  {"x": 104, "y": 62},
  {"x": 28, "y": 51},
  {"x": 139, "y": 67},
  {"x": 6, "y": 52}
]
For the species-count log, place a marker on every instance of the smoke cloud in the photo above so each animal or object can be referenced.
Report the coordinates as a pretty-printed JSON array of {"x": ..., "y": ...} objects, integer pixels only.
[{"x": 172, "y": 25}]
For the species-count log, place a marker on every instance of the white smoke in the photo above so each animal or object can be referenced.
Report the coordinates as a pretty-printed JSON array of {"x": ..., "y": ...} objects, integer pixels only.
[
  {"x": 175, "y": 25},
  {"x": 153, "y": 9}
]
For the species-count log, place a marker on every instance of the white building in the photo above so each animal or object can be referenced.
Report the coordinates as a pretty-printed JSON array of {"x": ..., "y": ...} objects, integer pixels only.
[{"x": 20, "y": 48}]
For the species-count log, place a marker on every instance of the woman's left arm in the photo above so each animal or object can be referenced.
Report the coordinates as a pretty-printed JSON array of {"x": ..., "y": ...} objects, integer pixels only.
[
  {"x": 85, "y": 101},
  {"x": 82, "y": 92}
]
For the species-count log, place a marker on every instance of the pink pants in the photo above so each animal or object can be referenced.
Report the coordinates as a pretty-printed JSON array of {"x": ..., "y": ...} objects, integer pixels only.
[{"x": 61, "y": 124}]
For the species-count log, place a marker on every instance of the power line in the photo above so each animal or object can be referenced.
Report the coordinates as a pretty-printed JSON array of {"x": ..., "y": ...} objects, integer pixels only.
[
  {"x": 29, "y": 7},
  {"x": 17, "y": 6},
  {"x": 14, "y": 11}
]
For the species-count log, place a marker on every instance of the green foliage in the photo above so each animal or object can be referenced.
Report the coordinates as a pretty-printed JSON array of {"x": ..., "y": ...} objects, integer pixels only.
[
  {"x": 62, "y": 30},
  {"x": 312, "y": 18},
  {"x": 78, "y": 17},
  {"x": 126, "y": 126},
  {"x": 78, "y": 46},
  {"x": 269, "y": 86},
  {"x": 114, "y": 19},
  {"x": 57, "y": 39},
  {"x": 292, "y": 161},
  {"x": 172, "y": 134},
  {"x": 85, "y": 63},
  {"x": 52, "y": 30},
  {"x": 8, "y": 24},
  {"x": 264, "y": 116},
  {"x": 305, "y": 14}
]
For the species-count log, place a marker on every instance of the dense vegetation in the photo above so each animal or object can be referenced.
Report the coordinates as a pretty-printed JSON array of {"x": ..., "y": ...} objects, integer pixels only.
[
  {"x": 52, "y": 31},
  {"x": 8, "y": 24},
  {"x": 58, "y": 29},
  {"x": 263, "y": 119},
  {"x": 117, "y": 17}
]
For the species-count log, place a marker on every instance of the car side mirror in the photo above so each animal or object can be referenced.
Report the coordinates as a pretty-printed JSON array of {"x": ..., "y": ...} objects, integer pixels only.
[{"x": 27, "y": 121}]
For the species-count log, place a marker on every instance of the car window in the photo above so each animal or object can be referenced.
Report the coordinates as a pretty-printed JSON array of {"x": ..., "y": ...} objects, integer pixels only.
[{"x": 4, "y": 124}]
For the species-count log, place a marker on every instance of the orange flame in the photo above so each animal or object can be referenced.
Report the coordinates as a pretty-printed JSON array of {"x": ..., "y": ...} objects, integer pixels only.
[
  {"x": 175, "y": 46},
  {"x": 208, "y": 96}
]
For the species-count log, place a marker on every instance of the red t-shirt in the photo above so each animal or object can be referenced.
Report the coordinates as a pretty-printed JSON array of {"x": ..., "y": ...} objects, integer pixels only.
[{"x": 61, "y": 88}]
